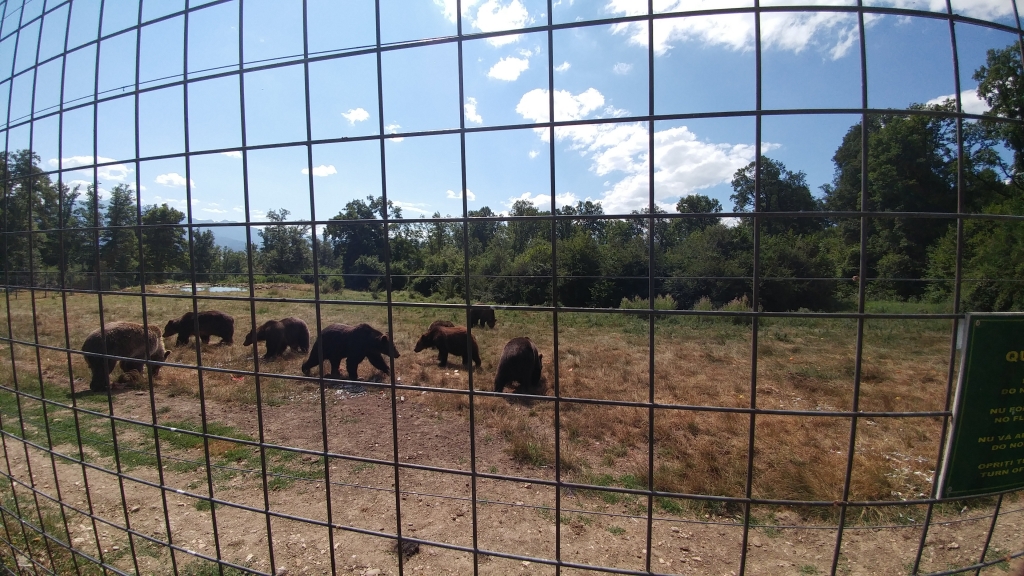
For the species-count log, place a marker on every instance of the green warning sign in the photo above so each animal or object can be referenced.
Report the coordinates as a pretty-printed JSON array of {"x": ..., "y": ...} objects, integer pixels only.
[{"x": 985, "y": 453}]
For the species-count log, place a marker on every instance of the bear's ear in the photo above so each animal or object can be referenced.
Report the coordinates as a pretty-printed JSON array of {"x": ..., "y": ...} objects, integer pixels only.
[
  {"x": 540, "y": 357},
  {"x": 166, "y": 354},
  {"x": 384, "y": 339}
]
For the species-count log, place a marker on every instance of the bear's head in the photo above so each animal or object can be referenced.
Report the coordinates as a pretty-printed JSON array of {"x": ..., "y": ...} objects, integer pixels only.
[
  {"x": 159, "y": 356},
  {"x": 425, "y": 341},
  {"x": 249, "y": 338},
  {"x": 385, "y": 347},
  {"x": 171, "y": 329}
]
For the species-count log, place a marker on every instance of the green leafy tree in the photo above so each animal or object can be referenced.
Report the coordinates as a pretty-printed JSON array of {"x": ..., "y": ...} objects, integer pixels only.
[
  {"x": 781, "y": 191},
  {"x": 206, "y": 252},
  {"x": 999, "y": 84},
  {"x": 911, "y": 168},
  {"x": 695, "y": 204},
  {"x": 164, "y": 243},
  {"x": 353, "y": 232},
  {"x": 119, "y": 247},
  {"x": 286, "y": 248}
]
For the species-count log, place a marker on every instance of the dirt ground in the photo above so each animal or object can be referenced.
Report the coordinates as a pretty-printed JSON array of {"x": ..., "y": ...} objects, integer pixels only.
[{"x": 513, "y": 517}]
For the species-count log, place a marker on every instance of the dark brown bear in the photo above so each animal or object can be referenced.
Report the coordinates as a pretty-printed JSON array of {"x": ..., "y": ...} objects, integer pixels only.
[
  {"x": 354, "y": 343},
  {"x": 279, "y": 335},
  {"x": 520, "y": 362},
  {"x": 127, "y": 339},
  {"x": 211, "y": 323},
  {"x": 440, "y": 323},
  {"x": 448, "y": 340},
  {"x": 482, "y": 315}
]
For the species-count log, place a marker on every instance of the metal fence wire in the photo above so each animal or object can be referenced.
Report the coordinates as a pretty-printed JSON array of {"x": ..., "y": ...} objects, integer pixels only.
[{"x": 765, "y": 390}]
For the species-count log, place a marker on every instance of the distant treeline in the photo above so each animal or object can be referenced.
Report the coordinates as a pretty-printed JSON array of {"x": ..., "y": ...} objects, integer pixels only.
[{"x": 809, "y": 260}]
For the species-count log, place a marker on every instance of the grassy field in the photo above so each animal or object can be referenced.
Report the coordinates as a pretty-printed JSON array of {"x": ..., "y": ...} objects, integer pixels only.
[{"x": 802, "y": 364}]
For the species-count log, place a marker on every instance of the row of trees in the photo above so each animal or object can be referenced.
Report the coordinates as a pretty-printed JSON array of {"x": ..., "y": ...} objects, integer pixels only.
[{"x": 915, "y": 173}]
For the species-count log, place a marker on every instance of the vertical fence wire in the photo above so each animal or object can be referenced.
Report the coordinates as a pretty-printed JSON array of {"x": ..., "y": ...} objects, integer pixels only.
[{"x": 41, "y": 551}]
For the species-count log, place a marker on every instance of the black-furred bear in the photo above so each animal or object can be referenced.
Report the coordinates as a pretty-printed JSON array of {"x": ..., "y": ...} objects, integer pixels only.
[
  {"x": 128, "y": 339},
  {"x": 211, "y": 323},
  {"x": 354, "y": 343},
  {"x": 482, "y": 315},
  {"x": 448, "y": 340},
  {"x": 520, "y": 362},
  {"x": 279, "y": 335}
]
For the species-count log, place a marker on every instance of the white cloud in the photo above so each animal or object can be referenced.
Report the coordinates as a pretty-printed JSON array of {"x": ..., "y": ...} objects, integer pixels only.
[
  {"x": 453, "y": 195},
  {"x": 534, "y": 154},
  {"x": 563, "y": 67},
  {"x": 508, "y": 69},
  {"x": 233, "y": 154},
  {"x": 543, "y": 201},
  {"x": 420, "y": 208},
  {"x": 471, "y": 114},
  {"x": 534, "y": 104},
  {"x": 490, "y": 16},
  {"x": 169, "y": 201},
  {"x": 393, "y": 129},
  {"x": 213, "y": 210},
  {"x": 835, "y": 33},
  {"x": 115, "y": 172},
  {"x": 622, "y": 68},
  {"x": 172, "y": 179},
  {"x": 969, "y": 100},
  {"x": 356, "y": 115},
  {"x": 683, "y": 163},
  {"x": 321, "y": 170}
]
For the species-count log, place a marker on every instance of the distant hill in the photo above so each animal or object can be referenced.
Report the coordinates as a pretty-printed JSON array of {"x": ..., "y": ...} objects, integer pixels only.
[{"x": 227, "y": 236}]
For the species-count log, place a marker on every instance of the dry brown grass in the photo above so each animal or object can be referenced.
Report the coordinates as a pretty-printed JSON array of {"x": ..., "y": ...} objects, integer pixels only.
[{"x": 802, "y": 364}]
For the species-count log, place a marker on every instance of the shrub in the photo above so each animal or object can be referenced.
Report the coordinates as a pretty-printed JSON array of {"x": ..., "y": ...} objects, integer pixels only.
[{"x": 664, "y": 302}]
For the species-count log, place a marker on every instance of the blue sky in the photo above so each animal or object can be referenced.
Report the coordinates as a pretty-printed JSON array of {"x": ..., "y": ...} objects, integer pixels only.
[{"x": 702, "y": 64}]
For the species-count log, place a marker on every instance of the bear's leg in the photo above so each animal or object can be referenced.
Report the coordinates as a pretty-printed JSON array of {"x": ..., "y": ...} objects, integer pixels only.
[
  {"x": 127, "y": 367},
  {"x": 378, "y": 362},
  {"x": 352, "y": 365},
  {"x": 476, "y": 355},
  {"x": 101, "y": 369},
  {"x": 205, "y": 337},
  {"x": 442, "y": 356},
  {"x": 182, "y": 340},
  {"x": 274, "y": 348}
]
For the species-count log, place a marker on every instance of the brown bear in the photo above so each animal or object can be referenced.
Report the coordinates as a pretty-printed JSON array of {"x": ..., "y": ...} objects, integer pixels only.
[
  {"x": 520, "y": 362},
  {"x": 279, "y": 335},
  {"x": 482, "y": 315},
  {"x": 354, "y": 343},
  {"x": 440, "y": 323},
  {"x": 127, "y": 339},
  {"x": 211, "y": 323},
  {"x": 448, "y": 339}
]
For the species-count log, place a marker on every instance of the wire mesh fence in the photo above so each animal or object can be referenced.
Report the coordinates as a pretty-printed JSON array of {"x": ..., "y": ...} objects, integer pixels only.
[{"x": 641, "y": 390}]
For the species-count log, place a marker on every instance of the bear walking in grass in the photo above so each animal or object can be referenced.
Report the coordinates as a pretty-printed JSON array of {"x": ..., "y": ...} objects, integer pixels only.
[
  {"x": 211, "y": 323},
  {"x": 482, "y": 315},
  {"x": 354, "y": 343},
  {"x": 520, "y": 362},
  {"x": 127, "y": 339},
  {"x": 448, "y": 340},
  {"x": 279, "y": 335}
]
